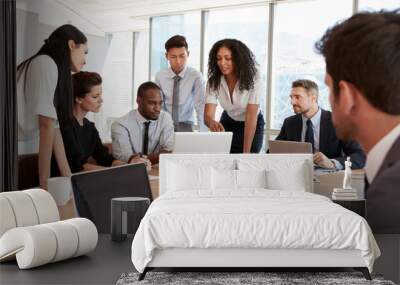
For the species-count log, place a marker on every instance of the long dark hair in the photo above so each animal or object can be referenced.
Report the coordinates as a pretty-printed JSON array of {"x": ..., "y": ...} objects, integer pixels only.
[
  {"x": 243, "y": 60},
  {"x": 56, "y": 47}
]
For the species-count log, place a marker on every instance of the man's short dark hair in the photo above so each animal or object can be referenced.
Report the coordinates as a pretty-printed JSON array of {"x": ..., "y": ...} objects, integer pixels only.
[
  {"x": 310, "y": 86},
  {"x": 365, "y": 51},
  {"x": 147, "y": 86},
  {"x": 176, "y": 41}
]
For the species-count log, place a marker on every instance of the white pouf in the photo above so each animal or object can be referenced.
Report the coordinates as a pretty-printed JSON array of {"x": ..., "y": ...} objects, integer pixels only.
[
  {"x": 7, "y": 218},
  {"x": 31, "y": 232},
  {"x": 23, "y": 208},
  {"x": 45, "y": 205}
]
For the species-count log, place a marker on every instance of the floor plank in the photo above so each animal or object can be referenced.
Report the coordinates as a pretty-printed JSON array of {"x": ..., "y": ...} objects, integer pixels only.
[{"x": 102, "y": 266}]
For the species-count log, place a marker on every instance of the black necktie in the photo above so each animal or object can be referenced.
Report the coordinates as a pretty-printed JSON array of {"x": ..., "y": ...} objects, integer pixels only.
[
  {"x": 146, "y": 138},
  {"x": 309, "y": 134}
]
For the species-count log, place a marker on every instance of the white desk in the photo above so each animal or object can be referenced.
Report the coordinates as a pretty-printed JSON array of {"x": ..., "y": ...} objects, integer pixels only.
[{"x": 325, "y": 182}]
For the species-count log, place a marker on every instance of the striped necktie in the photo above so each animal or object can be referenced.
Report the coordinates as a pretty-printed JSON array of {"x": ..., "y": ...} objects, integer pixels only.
[{"x": 175, "y": 100}]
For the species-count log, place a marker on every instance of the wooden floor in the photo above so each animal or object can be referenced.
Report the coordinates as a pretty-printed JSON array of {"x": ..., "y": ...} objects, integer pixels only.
[
  {"x": 102, "y": 266},
  {"x": 110, "y": 259}
]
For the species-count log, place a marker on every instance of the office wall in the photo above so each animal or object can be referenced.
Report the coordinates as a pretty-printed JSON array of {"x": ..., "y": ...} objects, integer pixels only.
[{"x": 31, "y": 33}]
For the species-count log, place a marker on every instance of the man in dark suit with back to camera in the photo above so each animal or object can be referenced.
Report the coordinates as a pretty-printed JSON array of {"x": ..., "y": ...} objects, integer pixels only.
[
  {"x": 314, "y": 125},
  {"x": 362, "y": 57}
]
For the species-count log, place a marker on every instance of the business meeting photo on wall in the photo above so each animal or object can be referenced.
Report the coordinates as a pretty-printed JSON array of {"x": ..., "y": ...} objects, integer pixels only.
[{"x": 200, "y": 142}]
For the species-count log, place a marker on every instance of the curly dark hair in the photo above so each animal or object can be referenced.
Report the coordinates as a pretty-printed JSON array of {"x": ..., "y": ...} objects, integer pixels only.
[{"x": 245, "y": 65}]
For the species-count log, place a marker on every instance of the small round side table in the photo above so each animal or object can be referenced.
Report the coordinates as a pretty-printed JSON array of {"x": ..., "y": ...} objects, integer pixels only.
[{"x": 119, "y": 215}]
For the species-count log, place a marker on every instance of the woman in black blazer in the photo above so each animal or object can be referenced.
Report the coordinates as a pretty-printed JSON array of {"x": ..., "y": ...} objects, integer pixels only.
[{"x": 81, "y": 138}]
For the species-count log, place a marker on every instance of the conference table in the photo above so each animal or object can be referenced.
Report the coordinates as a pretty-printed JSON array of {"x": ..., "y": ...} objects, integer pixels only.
[{"x": 154, "y": 181}]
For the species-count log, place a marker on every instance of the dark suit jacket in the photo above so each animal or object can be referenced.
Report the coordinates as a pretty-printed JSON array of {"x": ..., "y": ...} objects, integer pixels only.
[
  {"x": 329, "y": 144},
  {"x": 383, "y": 195}
]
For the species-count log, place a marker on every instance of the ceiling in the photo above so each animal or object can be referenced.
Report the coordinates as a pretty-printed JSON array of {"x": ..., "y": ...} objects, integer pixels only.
[
  {"x": 120, "y": 15},
  {"x": 98, "y": 17}
]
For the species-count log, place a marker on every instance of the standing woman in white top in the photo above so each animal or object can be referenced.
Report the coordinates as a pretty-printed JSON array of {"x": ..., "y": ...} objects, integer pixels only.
[
  {"x": 45, "y": 99},
  {"x": 234, "y": 81}
]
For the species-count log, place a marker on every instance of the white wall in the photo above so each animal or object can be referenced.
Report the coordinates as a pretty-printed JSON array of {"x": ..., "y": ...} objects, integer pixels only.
[
  {"x": 31, "y": 33},
  {"x": 37, "y": 19},
  {"x": 55, "y": 13},
  {"x": 117, "y": 82}
]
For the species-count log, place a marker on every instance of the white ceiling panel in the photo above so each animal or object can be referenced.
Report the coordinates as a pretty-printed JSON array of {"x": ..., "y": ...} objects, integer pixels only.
[
  {"x": 114, "y": 15},
  {"x": 100, "y": 16}
]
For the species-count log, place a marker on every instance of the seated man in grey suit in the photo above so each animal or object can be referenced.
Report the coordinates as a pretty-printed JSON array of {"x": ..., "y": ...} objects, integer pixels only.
[
  {"x": 362, "y": 57},
  {"x": 146, "y": 132},
  {"x": 314, "y": 125}
]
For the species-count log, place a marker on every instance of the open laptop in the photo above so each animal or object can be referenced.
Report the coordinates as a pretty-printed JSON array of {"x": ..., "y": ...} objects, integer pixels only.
[
  {"x": 289, "y": 147},
  {"x": 202, "y": 142},
  {"x": 94, "y": 190}
]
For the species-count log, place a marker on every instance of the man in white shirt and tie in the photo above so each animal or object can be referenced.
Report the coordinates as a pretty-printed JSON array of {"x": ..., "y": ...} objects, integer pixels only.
[
  {"x": 314, "y": 125},
  {"x": 143, "y": 133},
  {"x": 182, "y": 87}
]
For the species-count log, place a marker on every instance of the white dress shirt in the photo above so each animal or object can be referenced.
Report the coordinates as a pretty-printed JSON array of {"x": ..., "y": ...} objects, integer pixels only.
[
  {"x": 191, "y": 93},
  {"x": 236, "y": 108},
  {"x": 377, "y": 154},
  {"x": 316, "y": 125},
  {"x": 127, "y": 134},
  {"x": 35, "y": 96}
]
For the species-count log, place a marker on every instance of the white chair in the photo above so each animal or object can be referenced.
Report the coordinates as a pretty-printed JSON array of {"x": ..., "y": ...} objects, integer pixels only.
[{"x": 31, "y": 232}]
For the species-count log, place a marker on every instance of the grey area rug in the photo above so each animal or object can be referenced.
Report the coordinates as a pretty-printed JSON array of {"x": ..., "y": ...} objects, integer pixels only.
[{"x": 269, "y": 278}]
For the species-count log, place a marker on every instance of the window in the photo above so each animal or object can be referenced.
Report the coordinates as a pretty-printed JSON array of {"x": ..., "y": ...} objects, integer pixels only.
[
  {"x": 376, "y": 5},
  {"x": 117, "y": 83},
  {"x": 297, "y": 26},
  {"x": 141, "y": 64},
  {"x": 162, "y": 28},
  {"x": 247, "y": 24}
]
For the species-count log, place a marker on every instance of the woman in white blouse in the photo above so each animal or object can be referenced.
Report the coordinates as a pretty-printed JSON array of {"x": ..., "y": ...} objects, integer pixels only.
[
  {"x": 45, "y": 100},
  {"x": 234, "y": 82}
]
